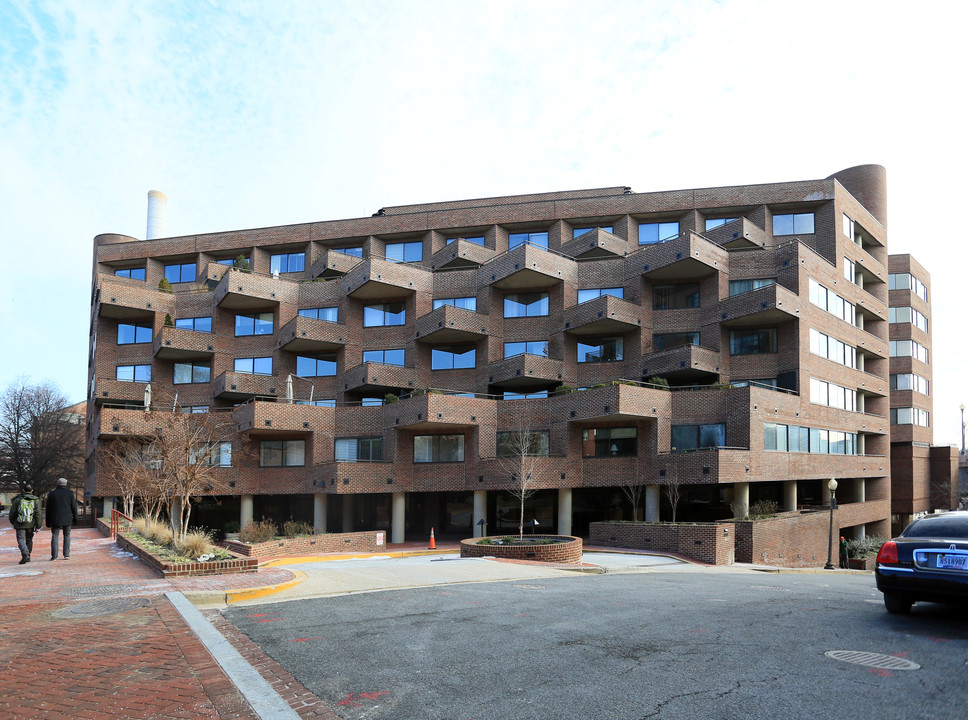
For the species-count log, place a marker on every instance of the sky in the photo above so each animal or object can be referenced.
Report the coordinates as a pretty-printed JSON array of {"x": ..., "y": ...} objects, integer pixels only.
[{"x": 254, "y": 114}]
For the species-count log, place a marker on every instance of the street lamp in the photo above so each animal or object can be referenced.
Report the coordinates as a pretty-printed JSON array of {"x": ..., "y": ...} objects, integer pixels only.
[{"x": 832, "y": 486}]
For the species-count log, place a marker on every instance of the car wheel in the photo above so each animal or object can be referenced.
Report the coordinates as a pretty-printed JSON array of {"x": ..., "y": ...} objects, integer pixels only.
[{"x": 897, "y": 604}]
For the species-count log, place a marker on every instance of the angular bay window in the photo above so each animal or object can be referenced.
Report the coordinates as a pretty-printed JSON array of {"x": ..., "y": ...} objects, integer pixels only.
[
  {"x": 385, "y": 314},
  {"x": 131, "y": 334},
  {"x": 793, "y": 224},
  {"x": 282, "y": 453},
  {"x": 907, "y": 281},
  {"x": 322, "y": 365},
  {"x": 696, "y": 437},
  {"x": 531, "y": 238},
  {"x": 326, "y": 314},
  {"x": 253, "y": 324},
  {"x": 609, "y": 442},
  {"x": 453, "y": 357},
  {"x": 133, "y": 373},
  {"x": 467, "y": 303},
  {"x": 404, "y": 251},
  {"x": 667, "y": 341},
  {"x": 752, "y": 342},
  {"x": 517, "y": 443},
  {"x": 592, "y": 293},
  {"x": 910, "y": 381},
  {"x": 287, "y": 263},
  {"x": 675, "y": 297},
  {"x": 196, "y": 324},
  {"x": 653, "y": 233},
  {"x": 525, "y": 304},
  {"x": 254, "y": 365},
  {"x": 603, "y": 350},
  {"x": 908, "y": 348},
  {"x": 910, "y": 416},
  {"x": 359, "y": 449},
  {"x": 438, "y": 448},
  {"x": 533, "y": 347},
  {"x": 908, "y": 315},
  {"x": 186, "y": 373},
  {"x": 395, "y": 356}
]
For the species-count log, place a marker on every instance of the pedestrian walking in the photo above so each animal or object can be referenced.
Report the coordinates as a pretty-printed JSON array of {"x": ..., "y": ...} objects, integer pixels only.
[
  {"x": 844, "y": 558},
  {"x": 25, "y": 517},
  {"x": 61, "y": 515}
]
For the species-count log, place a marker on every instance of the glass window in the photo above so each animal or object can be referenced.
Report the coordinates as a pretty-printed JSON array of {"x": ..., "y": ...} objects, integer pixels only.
[
  {"x": 906, "y": 281},
  {"x": 287, "y": 263},
  {"x": 850, "y": 270},
  {"x": 830, "y": 301},
  {"x": 525, "y": 304},
  {"x": 752, "y": 342},
  {"x": 652, "y": 233},
  {"x": 533, "y": 347},
  {"x": 359, "y": 449},
  {"x": 438, "y": 448},
  {"x": 908, "y": 315},
  {"x": 666, "y": 341},
  {"x": 515, "y": 443},
  {"x": 477, "y": 240},
  {"x": 910, "y": 416},
  {"x": 193, "y": 409},
  {"x": 197, "y": 324},
  {"x": 604, "y": 350},
  {"x": 908, "y": 348},
  {"x": 717, "y": 222},
  {"x": 578, "y": 232},
  {"x": 354, "y": 251},
  {"x": 133, "y": 273},
  {"x": 192, "y": 373},
  {"x": 254, "y": 365},
  {"x": 255, "y": 324},
  {"x": 510, "y": 395},
  {"x": 592, "y": 293},
  {"x": 609, "y": 442},
  {"x": 738, "y": 287},
  {"x": 404, "y": 251},
  {"x": 215, "y": 454},
  {"x": 848, "y": 227},
  {"x": 326, "y": 314},
  {"x": 795, "y": 224},
  {"x": 180, "y": 273},
  {"x": 910, "y": 381},
  {"x": 130, "y": 334},
  {"x": 531, "y": 238},
  {"x": 453, "y": 357},
  {"x": 320, "y": 402},
  {"x": 316, "y": 365},
  {"x": 384, "y": 314},
  {"x": 468, "y": 303},
  {"x": 694, "y": 437},
  {"x": 133, "y": 373},
  {"x": 387, "y": 357},
  {"x": 282, "y": 453},
  {"x": 674, "y": 297}
]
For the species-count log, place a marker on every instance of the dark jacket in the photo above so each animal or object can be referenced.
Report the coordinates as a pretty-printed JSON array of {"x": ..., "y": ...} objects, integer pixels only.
[
  {"x": 61, "y": 508},
  {"x": 37, "y": 523}
]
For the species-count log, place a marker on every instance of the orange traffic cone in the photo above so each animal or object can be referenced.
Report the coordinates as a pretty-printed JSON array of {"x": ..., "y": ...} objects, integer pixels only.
[{"x": 433, "y": 545}]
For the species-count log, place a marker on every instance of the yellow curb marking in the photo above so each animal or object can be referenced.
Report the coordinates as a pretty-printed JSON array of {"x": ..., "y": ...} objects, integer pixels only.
[
  {"x": 327, "y": 558},
  {"x": 257, "y": 592}
]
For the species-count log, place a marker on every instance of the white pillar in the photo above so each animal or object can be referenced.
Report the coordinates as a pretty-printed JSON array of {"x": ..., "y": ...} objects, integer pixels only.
[
  {"x": 480, "y": 512},
  {"x": 653, "y": 493},
  {"x": 246, "y": 511},
  {"x": 107, "y": 507},
  {"x": 861, "y": 490},
  {"x": 790, "y": 496},
  {"x": 741, "y": 499},
  {"x": 319, "y": 512},
  {"x": 347, "y": 513},
  {"x": 398, "y": 522},
  {"x": 564, "y": 511}
]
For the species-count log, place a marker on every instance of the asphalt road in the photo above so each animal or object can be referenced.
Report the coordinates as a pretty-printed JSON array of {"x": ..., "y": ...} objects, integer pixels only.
[{"x": 664, "y": 642}]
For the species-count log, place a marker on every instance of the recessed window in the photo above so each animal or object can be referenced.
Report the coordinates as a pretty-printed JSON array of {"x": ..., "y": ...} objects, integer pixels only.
[
  {"x": 609, "y": 442},
  {"x": 196, "y": 324},
  {"x": 793, "y": 224},
  {"x": 530, "y": 238},
  {"x": 186, "y": 373},
  {"x": 468, "y": 303},
  {"x": 326, "y": 314},
  {"x": 525, "y": 304},
  {"x": 833, "y": 303},
  {"x": 245, "y": 263},
  {"x": 796, "y": 438},
  {"x": 738, "y": 287},
  {"x": 477, "y": 240},
  {"x": 371, "y": 402},
  {"x": 404, "y": 251},
  {"x": 321, "y": 402},
  {"x": 908, "y": 315},
  {"x": 180, "y": 273},
  {"x": 133, "y": 273},
  {"x": 712, "y": 223},
  {"x": 359, "y": 449},
  {"x": 323, "y": 365},
  {"x": 910, "y": 381},
  {"x": 832, "y": 349},
  {"x": 131, "y": 334},
  {"x": 578, "y": 232},
  {"x": 910, "y": 416},
  {"x": 214, "y": 454},
  {"x": 387, "y": 357},
  {"x": 438, "y": 448},
  {"x": 592, "y": 293},
  {"x": 354, "y": 251},
  {"x": 133, "y": 373},
  {"x": 453, "y": 357},
  {"x": 287, "y": 263},
  {"x": 384, "y": 314},
  {"x": 511, "y": 395},
  {"x": 532, "y": 347},
  {"x": 282, "y": 453},
  {"x": 599, "y": 351},
  {"x": 850, "y": 270},
  {"x": 652, "y": 233},
  {"x": 193, "y": 409},
  {"x": 254, "y": 365},
  {"x": 254, "y": 324},
  {"x": 908, "y": 348},
  {"x": 695, "y": 437},
  {"x": 832, "y": 395},
  {"x": 518, "y": 443},
  {"x": 666, "y": 341},
  {"x": 675, "y": 297},
  {"x": 752, "y": 342}
]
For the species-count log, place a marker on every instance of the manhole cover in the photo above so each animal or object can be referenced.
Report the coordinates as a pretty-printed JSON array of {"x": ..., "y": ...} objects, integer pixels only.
[
  {"x": 101, "y": 590},
  {"x": 96, "y": 608},
  {"x": 872, "y": 660}
]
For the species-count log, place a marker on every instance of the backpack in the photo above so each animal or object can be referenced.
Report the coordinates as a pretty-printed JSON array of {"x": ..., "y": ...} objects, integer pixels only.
[{"x": 25, "y": 511}]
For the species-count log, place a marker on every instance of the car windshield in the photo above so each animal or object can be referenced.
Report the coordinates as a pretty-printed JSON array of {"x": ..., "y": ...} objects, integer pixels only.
[{"x": 942, "y": 526}]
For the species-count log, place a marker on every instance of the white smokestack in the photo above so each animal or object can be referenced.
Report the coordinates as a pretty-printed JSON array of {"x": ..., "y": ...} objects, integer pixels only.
[{"x": 157, "y": 205}]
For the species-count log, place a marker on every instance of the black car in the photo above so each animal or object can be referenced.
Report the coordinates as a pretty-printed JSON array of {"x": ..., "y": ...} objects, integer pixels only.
[{"x": 928, "y": 561}]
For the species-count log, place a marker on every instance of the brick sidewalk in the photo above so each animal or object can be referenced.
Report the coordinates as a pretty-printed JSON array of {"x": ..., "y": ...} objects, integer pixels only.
[{"x": 94, "y": 638}]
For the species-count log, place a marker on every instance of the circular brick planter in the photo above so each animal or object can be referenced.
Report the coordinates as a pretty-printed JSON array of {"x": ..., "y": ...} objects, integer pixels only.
[{"x": 564, "y": 549}]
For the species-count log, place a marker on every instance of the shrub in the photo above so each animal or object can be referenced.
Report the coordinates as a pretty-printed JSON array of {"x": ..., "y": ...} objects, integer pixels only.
[
  {"x": 256, "y": 532},
  {"x": 158, "y": 532},
  {"x": 656, "y": 380},
  {"x": 763, "y": 508},
  {"x": 864, "y": 547},
  {"x": 140, "y": 525},
  {"x": 390, "y": 398},
  {"x": 164, "y": 285},
  {"x": 292, "y": 528},
  {"x": 194, "y": 544},
  {"x": 241, "y": 262},
  {"x": 168, "y": 321}
]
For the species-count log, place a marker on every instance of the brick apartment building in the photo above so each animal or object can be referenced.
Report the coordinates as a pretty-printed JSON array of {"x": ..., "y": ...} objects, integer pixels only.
[{"x": 380, "y": 365}]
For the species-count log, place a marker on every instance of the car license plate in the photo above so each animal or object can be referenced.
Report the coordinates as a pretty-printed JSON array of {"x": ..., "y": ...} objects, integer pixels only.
[{"x": 954, "y": 562}]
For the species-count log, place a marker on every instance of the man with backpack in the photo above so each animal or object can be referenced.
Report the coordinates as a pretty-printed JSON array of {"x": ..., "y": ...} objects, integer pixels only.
[
  {"x": 25, "y": 514},
  {"x": 61, "y": 514}
]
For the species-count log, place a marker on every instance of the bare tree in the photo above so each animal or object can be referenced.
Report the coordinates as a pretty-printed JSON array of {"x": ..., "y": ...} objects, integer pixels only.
[
  {"x": 633, "y": 487},
  {"x": 674, "y": 493},
  {"x": 39, "y": 440},
  {"x": 518, "y": 451},
  {"x": 135, "y": 468}
]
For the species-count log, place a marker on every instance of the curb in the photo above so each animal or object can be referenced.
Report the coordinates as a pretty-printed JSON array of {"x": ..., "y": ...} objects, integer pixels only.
[{"x": 299, "y": 560}]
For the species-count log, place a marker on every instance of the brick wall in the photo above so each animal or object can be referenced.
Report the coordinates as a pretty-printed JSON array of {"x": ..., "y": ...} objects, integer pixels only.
[
  {"x": 312, "y": 545},
  {"x": 710, "y": 543}
]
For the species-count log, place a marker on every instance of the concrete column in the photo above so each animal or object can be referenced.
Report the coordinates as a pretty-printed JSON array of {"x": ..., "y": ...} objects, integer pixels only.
[
  {"x": 319, "y": 512},
  {"x": 861, "y": 490},
  {"x": 564, "y": 511},
  {"x": 789, "y": 496},
  {"x": 246, "y": 512},
  {"x": 398, "y": 518},
  {"x": 347, "y": 513},
  {"x": 741, "y": 499},
  {"x": 653, "y": 494},
  {"x": 480, "y": 513}
]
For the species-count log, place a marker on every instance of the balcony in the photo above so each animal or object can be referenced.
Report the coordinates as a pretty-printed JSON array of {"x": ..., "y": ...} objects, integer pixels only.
[
  {"x": 239, "y": 290},
  {"x": 440, "y": 411},
  {"x": 125, "y": 299},
  {"x": 214, "y": 272},
  {"x": 377, "y": 378},
  {"x": 613, "y": 402},
  {"x": 594, "y": 244},
  {"x": 687, "y": 257},
  {"x": 172, "y": 343},
  {"x": 739, "y": 234},
  {"x": 332, "y": 264},
  {"x": 449, "y": 324},
  {"x": 714, "y": 465},
  {"x": 266, "y": 417},
  {"x": 684, "y": 363},
  {"x": 522, "y": 371},
  {"x": 243, "y": 386},
  {"x": 355, "y": 477},
  {"x": 768, "y": 305},
  {"x": 378, "y": 279},
  {"x": 121, "y": 422},
  {"x": 461, "y": 254},
  {"x": 309, "y": 335},
  {"x": 108, "y": 390},
  {"x": 527, "y": 267},
  {"x": 602, "y": 316}
]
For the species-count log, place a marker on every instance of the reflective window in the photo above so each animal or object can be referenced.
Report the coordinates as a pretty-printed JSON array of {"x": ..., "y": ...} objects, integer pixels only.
[
  {"x": 282, "y": 453},
  {"x": 354, "y": 251},
  {"x": 665, "y": 341},
  {"x": 910, "y": 416},
  {"x": 907, "y": 281},
  {"x": 532, "y": 238},
  {"x": 387, "y": 357},
  {"x": 533, "y": 347},
  {"x": 478, "y": 240},
  {"x": 609, "y": 442},
  {"x": 525, "y": 304},
  {"x": 850, "y": 270},
  {"x": 908, "y": 315},
  {"x": 254, "y": 324},
  {"x": 794, "y": 224},
  {"x": 832, "y": 395},
  {"x": 833, "y": 303},
  {"x": 323, "y": 402},
  {"x": 197, "y": 324},
  {"x": 287, "y": 263},
  {"x": 438, "y": 448},
  {"x": 186, "y": 373},
  {"x": 603, "y": 350},
  {"x": 133, "y": 273},
  {"x": 592, "y": 293},
  {"x": 316, "y": 365},
  {"x": 578, "y": 232},
  {"x": 752, "y": 342},
  {"x": 908, "y": 348},
  {"x": 652, "y": 233},
  {"x": 254, "y": 365},
  {"x": 180, "y": 273},
  {"x": 452, "y": 357},
  {"x": 404, "y": 251},
  {"x": 193, "y": 409},
  {"x": 517, "y": 443},
  {"x": 717, "y": 222},
  {"x": 133, "y": 373},
  {"x": 910, "y": 381},
  {"x": 468, "y": 303},
  {"x": 694, "y": 437},
  {"x": 244, "y": 261},
  {"x": 326, "y": 314},
  {"x": 738, "y": 287},
  {"x": 359, "y": 449},
  {"x": 214, "y": 454},
  {"x": 832, "y": 349},
  {"x": 674, "y": 297},
  {"x": 131, "y": 334},
  {"x": 384, "y": 314}
]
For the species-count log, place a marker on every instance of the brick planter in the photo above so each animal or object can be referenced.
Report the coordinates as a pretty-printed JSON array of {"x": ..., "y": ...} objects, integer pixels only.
[
  {"x": 373, "y": 541},
  {"x": 189, "y": 569},
  {"x": 866, "y": 563},
  {"x": 567, "y": 550}
]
